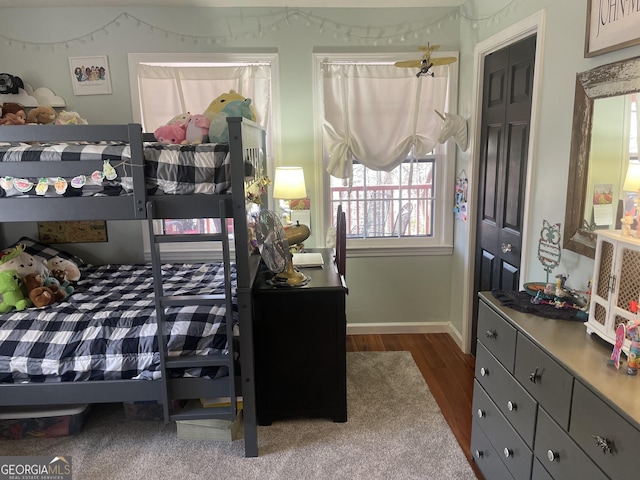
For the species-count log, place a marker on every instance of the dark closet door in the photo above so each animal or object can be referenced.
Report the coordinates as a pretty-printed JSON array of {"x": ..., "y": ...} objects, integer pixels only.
[{"x": 506, "y": 116}]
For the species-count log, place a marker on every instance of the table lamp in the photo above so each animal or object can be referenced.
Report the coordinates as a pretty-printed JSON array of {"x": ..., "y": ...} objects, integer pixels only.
[
  {"x": 289, "y": 184},
  {"x": 632, "y": 184}
]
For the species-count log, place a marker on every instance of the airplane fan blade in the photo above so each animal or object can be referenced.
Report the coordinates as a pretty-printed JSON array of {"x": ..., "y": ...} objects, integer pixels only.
[
  {"x": 409, "y": 64},
  {"x": 442, "y": 60}
]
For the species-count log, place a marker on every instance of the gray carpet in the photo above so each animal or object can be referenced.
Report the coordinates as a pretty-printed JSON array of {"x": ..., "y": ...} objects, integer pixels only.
[{"x": 395, "y": 431}]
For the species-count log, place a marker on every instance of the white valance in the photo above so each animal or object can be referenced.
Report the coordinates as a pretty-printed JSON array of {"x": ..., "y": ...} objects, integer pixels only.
[{"x": 379, "y": 115}]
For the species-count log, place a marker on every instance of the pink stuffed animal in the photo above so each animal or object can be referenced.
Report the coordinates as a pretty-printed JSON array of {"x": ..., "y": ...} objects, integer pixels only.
[
  {"x": 170, "y": 134},
  {"x": 197, "y": 129}
]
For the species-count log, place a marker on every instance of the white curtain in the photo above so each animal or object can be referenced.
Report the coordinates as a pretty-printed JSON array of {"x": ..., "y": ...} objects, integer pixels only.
[
  {"x": 167, "y": 91},
  {"x": 378, "y": 113}
]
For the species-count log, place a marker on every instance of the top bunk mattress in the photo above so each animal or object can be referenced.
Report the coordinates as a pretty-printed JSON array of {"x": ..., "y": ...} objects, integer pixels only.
[{"x": 168, "y": 169}]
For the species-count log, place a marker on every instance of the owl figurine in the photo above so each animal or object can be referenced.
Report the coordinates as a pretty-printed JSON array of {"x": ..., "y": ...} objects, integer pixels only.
[{"x": 549, "y": 250}]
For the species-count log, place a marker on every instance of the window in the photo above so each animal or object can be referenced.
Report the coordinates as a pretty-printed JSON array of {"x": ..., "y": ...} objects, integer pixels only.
[
  {"x": 188, "y": 83},
  {"x": 383, "y": 204},
  {"x": 380, "y": 130}
]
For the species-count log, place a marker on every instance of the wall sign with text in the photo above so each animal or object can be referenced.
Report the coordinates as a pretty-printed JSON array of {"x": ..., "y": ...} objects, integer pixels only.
[{"x": 611, "y": 25}]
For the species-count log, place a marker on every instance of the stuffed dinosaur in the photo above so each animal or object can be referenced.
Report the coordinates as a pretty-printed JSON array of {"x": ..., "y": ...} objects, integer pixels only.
[{"x": 12, "y": 295}]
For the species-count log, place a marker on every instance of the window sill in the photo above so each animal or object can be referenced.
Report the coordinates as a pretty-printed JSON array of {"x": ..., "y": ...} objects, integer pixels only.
[{"x": 394, "y": 248}]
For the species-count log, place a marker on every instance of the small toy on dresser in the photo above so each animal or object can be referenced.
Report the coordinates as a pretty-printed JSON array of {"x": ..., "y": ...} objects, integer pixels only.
[{"x": 632, "y": 328}]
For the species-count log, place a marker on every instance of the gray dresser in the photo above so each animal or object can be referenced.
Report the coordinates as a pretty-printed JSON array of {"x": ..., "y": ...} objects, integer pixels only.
[{"x": 546, "y": 403}]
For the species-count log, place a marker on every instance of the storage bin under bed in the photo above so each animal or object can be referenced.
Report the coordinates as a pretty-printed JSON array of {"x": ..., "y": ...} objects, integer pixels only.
[{"x": 42, "y": 421}]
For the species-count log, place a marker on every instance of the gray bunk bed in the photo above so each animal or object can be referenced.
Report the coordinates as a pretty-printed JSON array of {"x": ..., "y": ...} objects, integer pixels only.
[{"x": 246, "y": 155}]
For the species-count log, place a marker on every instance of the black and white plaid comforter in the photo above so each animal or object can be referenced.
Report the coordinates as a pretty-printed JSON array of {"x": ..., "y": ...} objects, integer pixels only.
[
  {"x": 56, "y": 152},
  {"x": 107, "y": 328},
  {"x": 187, "y": 169},
  {"x": 169, "y": 169}
]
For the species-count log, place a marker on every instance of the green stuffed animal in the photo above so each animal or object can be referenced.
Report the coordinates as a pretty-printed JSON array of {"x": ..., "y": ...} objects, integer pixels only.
[{"x": 12, "y": 295}]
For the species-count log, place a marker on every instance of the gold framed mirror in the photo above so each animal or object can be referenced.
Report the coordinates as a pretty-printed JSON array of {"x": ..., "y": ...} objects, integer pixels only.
[{"x": 613, "y": 79}]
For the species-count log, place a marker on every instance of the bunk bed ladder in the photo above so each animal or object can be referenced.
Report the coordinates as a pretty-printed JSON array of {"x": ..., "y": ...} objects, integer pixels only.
[{"x": 169, "y": 363}]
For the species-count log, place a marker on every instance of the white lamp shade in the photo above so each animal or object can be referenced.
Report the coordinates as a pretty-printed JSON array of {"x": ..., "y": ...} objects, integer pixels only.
[
  {"x": 632, "y": 180},
  {"x": 289, "y": 183}
]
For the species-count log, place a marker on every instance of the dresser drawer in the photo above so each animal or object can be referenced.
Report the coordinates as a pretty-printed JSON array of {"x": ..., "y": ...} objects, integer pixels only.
[
  {"x": 560, "y": 455},
  {"x": 538, "y": 472},
  {"x": 518, "y": 407},
  {"x": 623, "y": 438},
  {"x": 512, "y": 450},
  {"x": 485, "y": 456},
  {"x": 497, "y": 335},
  {"x": 549, "y": 383}
]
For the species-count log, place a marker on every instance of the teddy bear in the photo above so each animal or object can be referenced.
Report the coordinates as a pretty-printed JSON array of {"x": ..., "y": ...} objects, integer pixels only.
[
  {"x": 70, "y": 118},
  {"x": 11, "y": 292},
  {"x": 42, "y": 115},
  {"x": 169, "y": 134},
  {"x": 70, "y": 269},
  {"x": 17, "y": 259},
  {"x": 197, "y": 130},
  {"x": 221, "y": 101},
  {"x": 218, "y": 130},
  {"x": 40, "y": 294}
]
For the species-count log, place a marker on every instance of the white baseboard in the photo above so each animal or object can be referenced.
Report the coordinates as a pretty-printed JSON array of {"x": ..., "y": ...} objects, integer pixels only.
[
  {"x": 397, "y": 327},
  {"x": 405, "y": 327}
]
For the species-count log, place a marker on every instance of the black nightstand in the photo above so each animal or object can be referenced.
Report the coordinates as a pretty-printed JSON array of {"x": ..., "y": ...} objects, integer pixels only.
[{"x": 300, "y": 346}]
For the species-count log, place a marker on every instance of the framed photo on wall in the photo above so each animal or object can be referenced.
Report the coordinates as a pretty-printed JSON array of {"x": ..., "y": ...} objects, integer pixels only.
[
  {"x": 90, "y": 75},
  {"x": 610, "y": 26}
]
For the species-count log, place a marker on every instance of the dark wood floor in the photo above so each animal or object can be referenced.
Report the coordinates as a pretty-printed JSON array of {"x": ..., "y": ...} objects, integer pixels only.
[{"x": 447, "y": 371}]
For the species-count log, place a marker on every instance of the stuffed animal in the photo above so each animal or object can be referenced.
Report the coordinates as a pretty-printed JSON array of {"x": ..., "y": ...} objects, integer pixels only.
[
  {"x": 17, "y": 259},
  {"x": 168, "y": 134},
  {"x": 39, "y": 294},
  {"x": 12, "y": 107},
  {"x": 218, "y": 103},
  {"x": 12, "y": 119},
  {"x": 70, "y": 118},
  {"x": 181, "y": 119},
  {"x": 218, "y": 130},
  {"x": 11, "y": 292},
  {"x": 70, "y": 269},
  {"x": 61, "y": 277},
  {"x": 59, "y": 293},
  {"x": 42, "y": 115},
  {"x": 197, "y": 129}
]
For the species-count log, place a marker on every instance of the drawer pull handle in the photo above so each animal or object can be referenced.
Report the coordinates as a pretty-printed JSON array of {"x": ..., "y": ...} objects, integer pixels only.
[
  {"x": 508, "y": 453},
  {"x": 479, "y": 454},
  {"x": 534, "y": 376},
  {"x": 491, "y": 334},
  {"x": 481, "y": 413},
  {"x": 512, "y": 406},
  {"x": 603, "y": 443},
  {"x": 552, "y": 456},
  {"x": 484, "y": 372}
]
